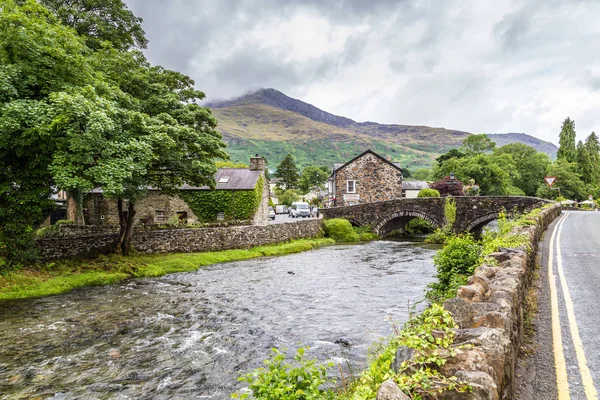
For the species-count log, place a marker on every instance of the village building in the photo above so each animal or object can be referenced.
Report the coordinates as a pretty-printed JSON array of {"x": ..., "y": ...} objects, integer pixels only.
[
  {"x": 411, "y": 189},
  {"x": 240, "y": 194},
  {"x": 366, "y": 178}
]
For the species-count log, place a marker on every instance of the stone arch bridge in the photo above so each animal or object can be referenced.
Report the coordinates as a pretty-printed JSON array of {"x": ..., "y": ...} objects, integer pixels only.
[{"x": 472, "y": 212}]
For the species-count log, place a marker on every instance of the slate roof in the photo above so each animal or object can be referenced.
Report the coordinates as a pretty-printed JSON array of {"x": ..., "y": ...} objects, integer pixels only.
[
  {"x": 414, "y": 185},
  {"x": 239, "y": 179}
]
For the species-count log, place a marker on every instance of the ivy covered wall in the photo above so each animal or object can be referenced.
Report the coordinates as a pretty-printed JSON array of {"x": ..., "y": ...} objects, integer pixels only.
[{"x": 234, "y": 204}]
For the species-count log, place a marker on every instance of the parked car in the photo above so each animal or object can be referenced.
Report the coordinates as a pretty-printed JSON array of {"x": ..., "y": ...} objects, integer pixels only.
[
  {"x": 271, "y": 213},
  {"x": 299, "y": 209}
]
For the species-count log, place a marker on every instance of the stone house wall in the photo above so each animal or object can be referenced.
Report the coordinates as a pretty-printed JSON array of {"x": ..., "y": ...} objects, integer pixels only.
[
  {"x": 96, "y": 206},
  {"x": 376, "y": 180},
  {"x": 185, "y": 240}
]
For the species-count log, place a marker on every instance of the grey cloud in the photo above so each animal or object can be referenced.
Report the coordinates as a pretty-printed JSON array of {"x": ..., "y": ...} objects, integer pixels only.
[{"x": 467, "y": 64}]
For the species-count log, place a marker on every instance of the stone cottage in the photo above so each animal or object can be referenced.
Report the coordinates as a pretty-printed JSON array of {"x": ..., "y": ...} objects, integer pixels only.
[
  {"x": 240, "y": 194},
  {"x": 366, "y": 178}
]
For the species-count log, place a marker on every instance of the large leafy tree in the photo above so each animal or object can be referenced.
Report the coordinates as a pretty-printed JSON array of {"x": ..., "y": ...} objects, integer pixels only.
[
  {"x": 478, "y": 144},
  {"x": 492, "y": 178},
  {"x": 100, "y": 20},
  {"x": 76, "y": 118},
  {"x": 568, "y": 183},
  {"x": 567, "y": 150},
  {"x": 287, "y": 172},
  {"x": 312, "y": 178},
  {"x": 530, "y": 164}
]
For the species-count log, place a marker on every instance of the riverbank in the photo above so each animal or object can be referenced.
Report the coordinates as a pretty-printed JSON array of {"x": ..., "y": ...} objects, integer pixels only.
[{"x": 63, "y": 276}]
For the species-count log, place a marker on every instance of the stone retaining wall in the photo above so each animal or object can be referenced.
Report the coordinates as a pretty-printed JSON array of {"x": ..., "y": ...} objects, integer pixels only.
[
  {"x": 489, "y": 311},
  {"x": 179, "y": 240}
]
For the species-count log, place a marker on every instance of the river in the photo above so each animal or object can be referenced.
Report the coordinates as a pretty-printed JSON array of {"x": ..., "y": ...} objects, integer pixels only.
[{"x": 190, "y": 335}]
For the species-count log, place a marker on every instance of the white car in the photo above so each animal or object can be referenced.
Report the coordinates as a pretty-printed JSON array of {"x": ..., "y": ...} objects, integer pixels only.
[{"x": 271, "y": 213}]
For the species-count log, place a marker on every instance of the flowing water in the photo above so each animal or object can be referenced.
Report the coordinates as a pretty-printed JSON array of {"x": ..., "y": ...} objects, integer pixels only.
[{"x": 190, "y": 335}]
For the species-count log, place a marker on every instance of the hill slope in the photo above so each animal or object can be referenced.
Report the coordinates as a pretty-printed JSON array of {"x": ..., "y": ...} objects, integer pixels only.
[{"x": 272, "y": 124}]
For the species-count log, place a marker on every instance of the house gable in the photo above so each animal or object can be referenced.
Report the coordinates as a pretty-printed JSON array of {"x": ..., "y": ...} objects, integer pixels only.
[{"x": 367, "y": 178}]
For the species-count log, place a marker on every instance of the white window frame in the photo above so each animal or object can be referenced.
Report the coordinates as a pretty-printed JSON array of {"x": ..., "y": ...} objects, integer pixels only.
[{"x": 348, "y": 186}]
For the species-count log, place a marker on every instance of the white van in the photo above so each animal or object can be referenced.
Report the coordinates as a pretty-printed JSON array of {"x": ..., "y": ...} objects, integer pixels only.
[{"x": 299, "y": 209}]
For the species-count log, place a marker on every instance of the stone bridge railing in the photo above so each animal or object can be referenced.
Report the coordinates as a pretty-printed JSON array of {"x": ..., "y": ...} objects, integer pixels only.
[{"x": 472, "y": 212}]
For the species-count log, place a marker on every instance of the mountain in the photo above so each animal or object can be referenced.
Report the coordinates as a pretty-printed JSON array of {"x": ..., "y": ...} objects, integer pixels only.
[
  {"x": 506, "y": 138},
  {"x": 272, "y": 124}
]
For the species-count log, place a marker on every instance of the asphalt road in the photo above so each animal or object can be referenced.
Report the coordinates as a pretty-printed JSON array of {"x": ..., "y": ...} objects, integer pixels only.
[{"x": 566, "y": 360}]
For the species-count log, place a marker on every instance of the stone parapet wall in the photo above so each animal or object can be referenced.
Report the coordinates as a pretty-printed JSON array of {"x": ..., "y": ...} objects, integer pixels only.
[
  {"x": 178, "y": 240},
  {"x": 490, "y": 313}
]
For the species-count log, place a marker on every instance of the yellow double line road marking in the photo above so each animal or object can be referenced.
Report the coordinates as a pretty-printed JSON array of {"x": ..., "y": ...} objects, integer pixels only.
[{"x": 559, "y": 357}]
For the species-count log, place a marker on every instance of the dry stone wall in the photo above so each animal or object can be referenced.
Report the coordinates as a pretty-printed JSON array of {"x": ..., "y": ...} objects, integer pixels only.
[
  {"x": 177, "y": 240},
  {"x": 489, "y": 312}
]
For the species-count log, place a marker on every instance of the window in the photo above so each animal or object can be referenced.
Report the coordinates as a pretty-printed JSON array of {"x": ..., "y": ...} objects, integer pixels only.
[
  {"x": 224, "y": 179},
  {"x": 351, "y": 186},
  {"x": 160, "y": 216}
]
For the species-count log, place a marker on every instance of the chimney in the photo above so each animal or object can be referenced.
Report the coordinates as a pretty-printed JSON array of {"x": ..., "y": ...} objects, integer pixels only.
[{"x": 257, "y": 163}]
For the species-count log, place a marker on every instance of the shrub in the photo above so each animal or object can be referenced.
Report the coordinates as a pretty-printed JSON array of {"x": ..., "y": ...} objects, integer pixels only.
[
  {"x": 428, "y": 193},
  {"x": 284, "y": 381},
  {"x": 365, "y": 233},
  {"x": 418, "y": 226},
  {"x": 340, "y": 230},
  {"x": 455, "y": 263}
]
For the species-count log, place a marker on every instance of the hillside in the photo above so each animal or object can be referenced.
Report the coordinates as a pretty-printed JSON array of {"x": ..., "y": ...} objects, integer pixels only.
[
  {"x": 505, "y": 138},
  {"x": 272, "y": 124}
]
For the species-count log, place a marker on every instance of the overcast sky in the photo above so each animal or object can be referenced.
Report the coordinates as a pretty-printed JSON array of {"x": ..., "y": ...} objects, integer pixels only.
[{"x": 473, "y": 65}]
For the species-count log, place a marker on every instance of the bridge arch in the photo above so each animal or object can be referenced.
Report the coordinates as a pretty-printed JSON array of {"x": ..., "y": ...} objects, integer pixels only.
[
  {"x": 379, "y": 226},
  {"x": 478, "y": 223}
]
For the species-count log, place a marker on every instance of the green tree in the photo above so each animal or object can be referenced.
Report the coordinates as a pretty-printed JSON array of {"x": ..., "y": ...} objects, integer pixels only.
[
  {"x": 492, "y": 178},
  {"x": 422, "y": 174},
  {"x": 478, "y": 144},
  {"x": 588, "y": 158},
  {"x": 454, "y": 153},
  {"x": 530, "y": 164},
  {"x": 38, "y": 57},
  {"x": 75, "y": 118},
  {"x": 287, "y": 197},
  {"x": 312, "y": 178},
  {"x": 287, "y": 172},
  {"x": 568, "y": 180},
  {"x": 567, "y": 150},
  {"x": 100, "y": 20}
]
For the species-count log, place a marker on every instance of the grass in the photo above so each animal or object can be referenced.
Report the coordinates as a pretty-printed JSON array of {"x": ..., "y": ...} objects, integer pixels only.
[{"x": 64, "y": 276}]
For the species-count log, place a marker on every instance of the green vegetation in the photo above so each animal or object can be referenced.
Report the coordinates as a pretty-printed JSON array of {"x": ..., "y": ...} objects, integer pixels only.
[
  {"x": 60, "y": 277},
  {"x": 235, "y": 204},
  {"x": 340, "y": 230},
  {"x": 284, "y": 381},
  {"x": 455, "y": 263},
  {"x": 287, "y": 172},
  {"x": 429, "y": 335},
  {"x": 462, "y": 254},
  {"x": 313, "y": 178},
  {"x": 518, "y": 169},
  {"x": 428, "y": 193},
  {"x": 419, "y": 377},
  {"x": 418, "y": 226},
  {"x": 80, "y": 107}
]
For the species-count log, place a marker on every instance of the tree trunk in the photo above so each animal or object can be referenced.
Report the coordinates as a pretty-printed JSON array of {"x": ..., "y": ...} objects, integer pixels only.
[
  {"x": 123, "y": 228},
  {"x": 129, "y": 231}
]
